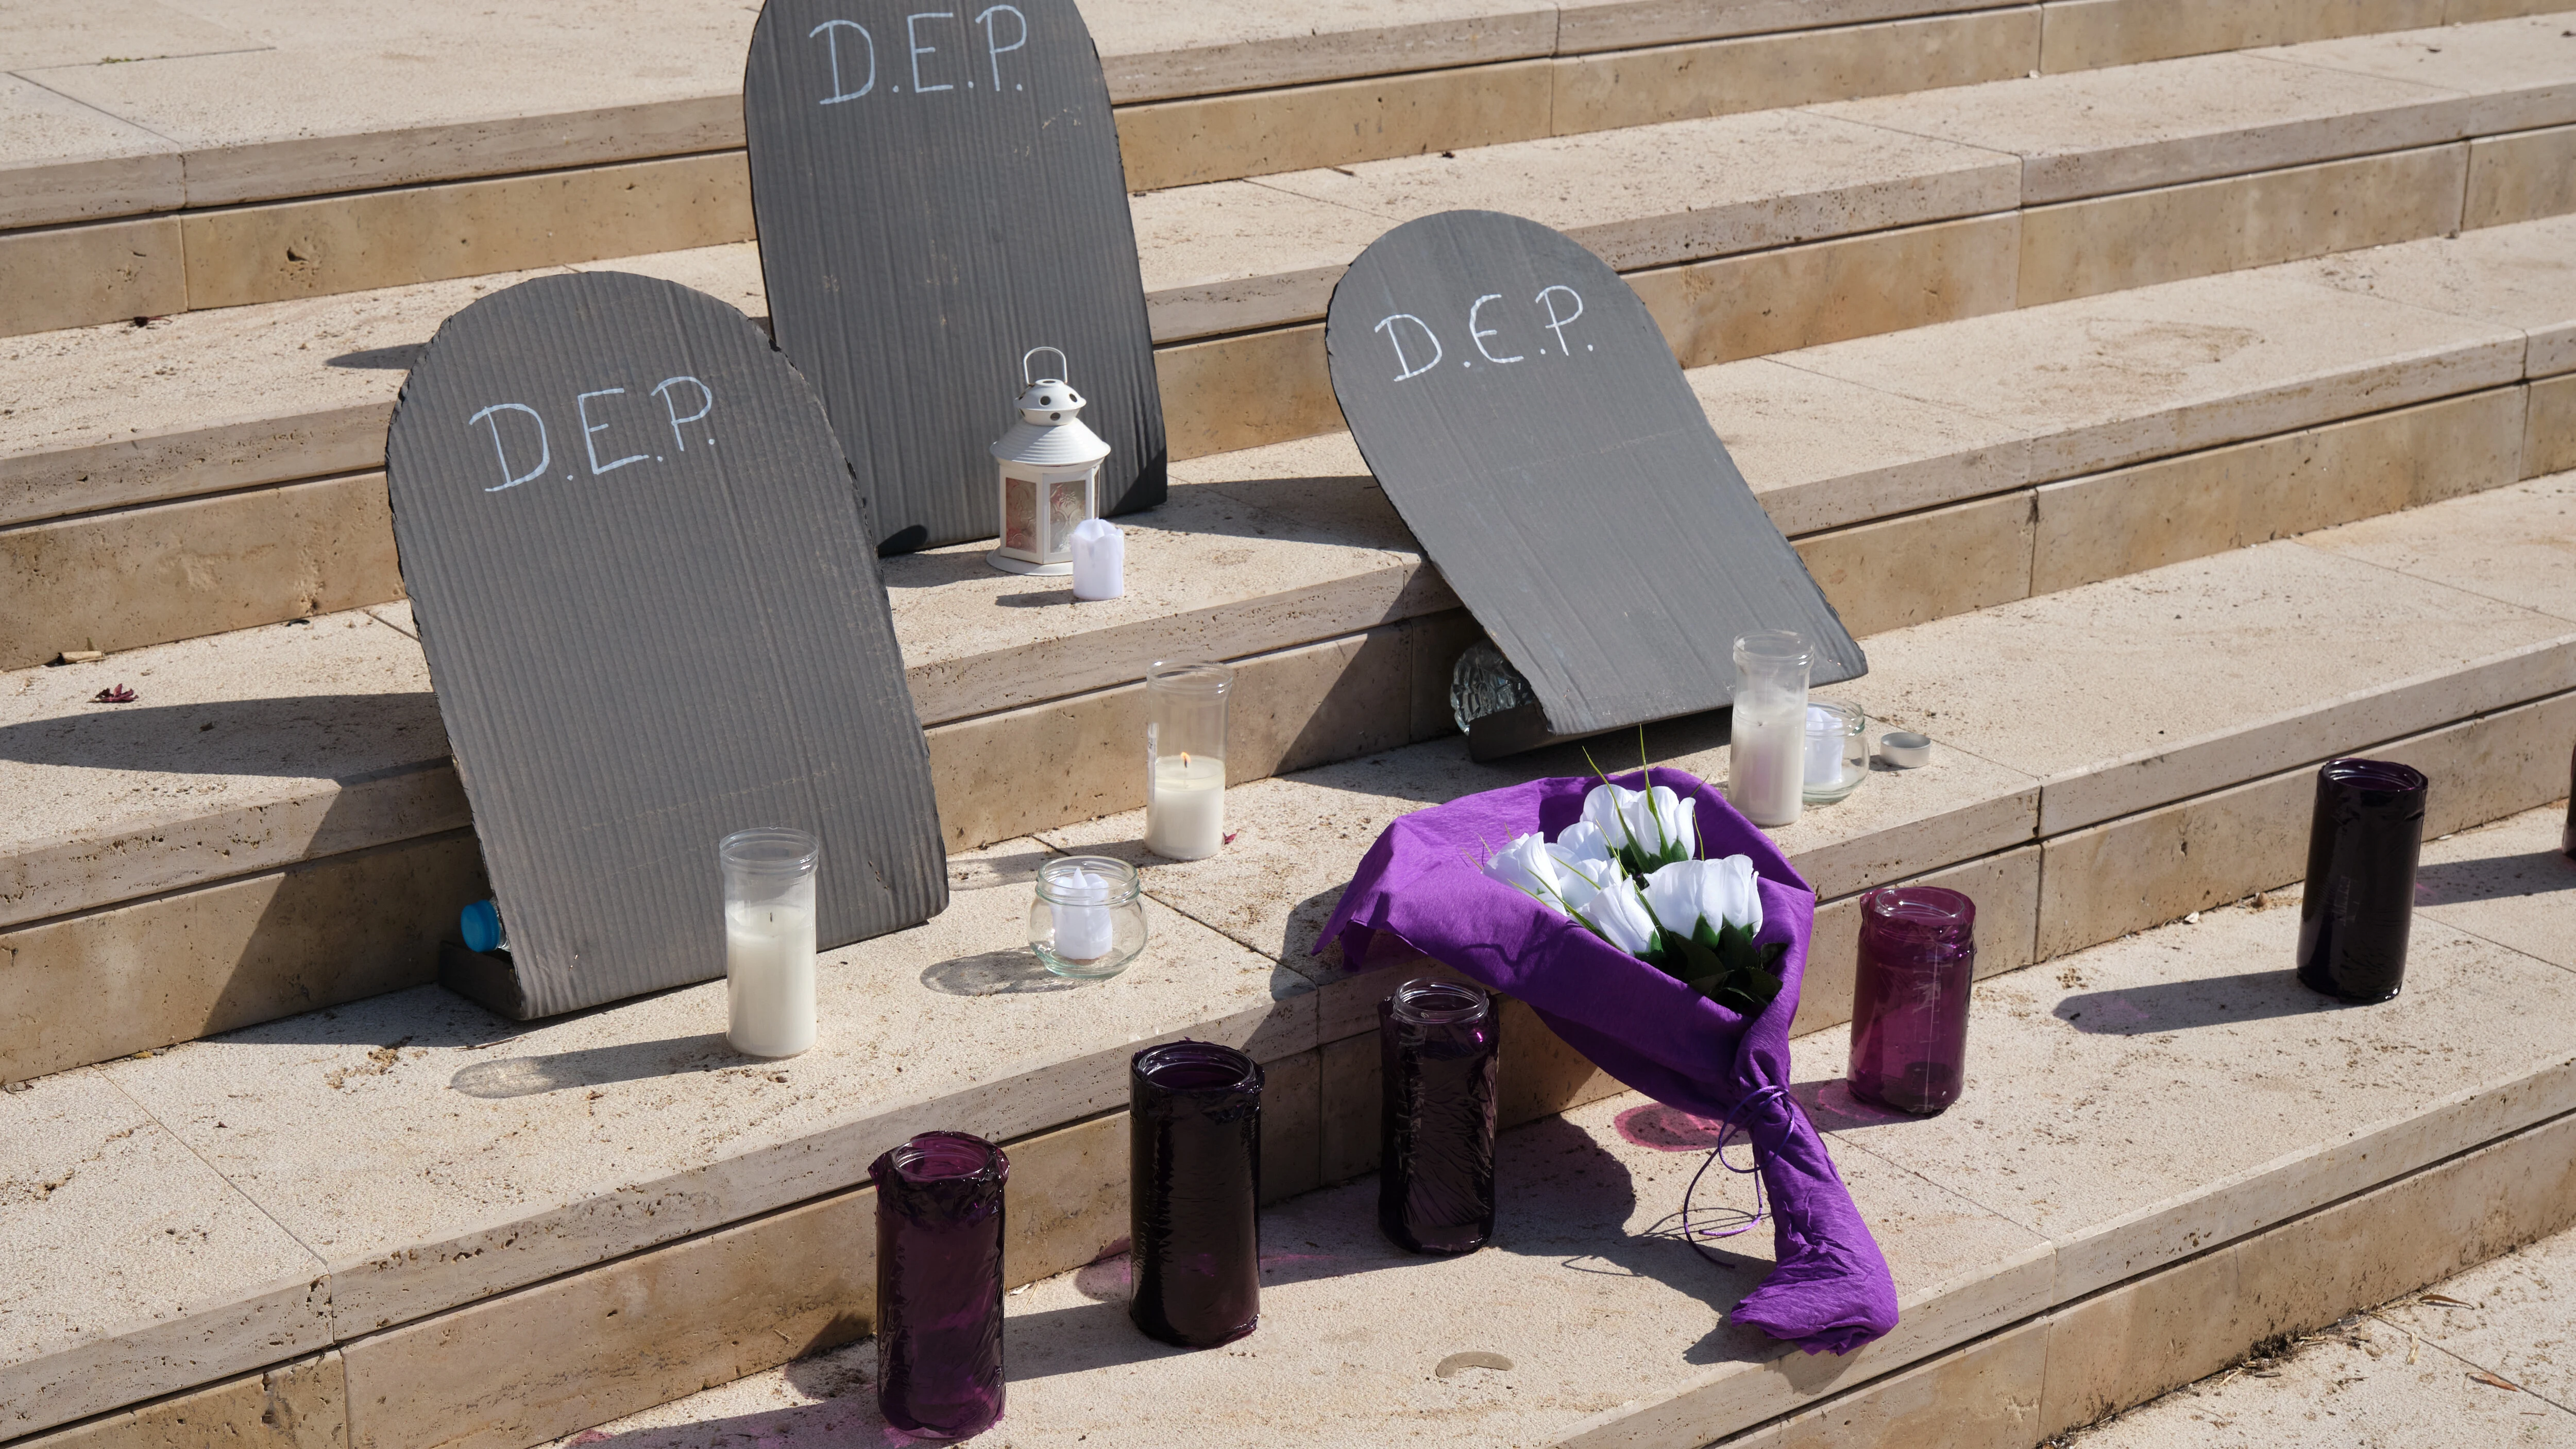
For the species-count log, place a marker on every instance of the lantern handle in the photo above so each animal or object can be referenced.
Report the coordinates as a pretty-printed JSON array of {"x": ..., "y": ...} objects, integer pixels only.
[{"x": 1063, "y": 365}]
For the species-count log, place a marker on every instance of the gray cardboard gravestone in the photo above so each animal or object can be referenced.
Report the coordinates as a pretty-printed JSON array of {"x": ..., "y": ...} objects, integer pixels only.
[
  {"x": 653, "y": 617},
  {"x": 937, "y": 192},
  {"x": 1525, "y": 415}
]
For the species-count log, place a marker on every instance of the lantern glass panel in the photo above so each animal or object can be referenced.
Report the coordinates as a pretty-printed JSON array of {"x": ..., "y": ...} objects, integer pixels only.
[
  {"x": 1068, "y": 504},
  {"x": 1020, "y": 515}
]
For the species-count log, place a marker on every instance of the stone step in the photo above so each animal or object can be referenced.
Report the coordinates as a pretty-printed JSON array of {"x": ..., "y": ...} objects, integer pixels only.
[
  {"x": 207, "y": 872},
  {"x": 228, "y": 892},
  {"x": 2270, "y": 150},
  {"x": 2465, "y": 1363},
  {"x": 177, "y": 175},
  {"x": 2469, "y": 1364},
  {"x": 506, "y": 1236},
  {"x": 156, "y": 513},
  {"x": 2421, "y": 1370}
]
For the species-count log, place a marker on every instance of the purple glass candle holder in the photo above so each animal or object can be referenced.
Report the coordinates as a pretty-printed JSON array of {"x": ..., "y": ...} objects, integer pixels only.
[
  {"x": 939, "y": 1284},
  {"x": 1439, "y": 1046},
  {"x": 1909, "y": 1032},
  {"x": 2567, "y": 837},
  {"x": 1194, "y": 1192},
  {"x": 2363, "y": 843}
]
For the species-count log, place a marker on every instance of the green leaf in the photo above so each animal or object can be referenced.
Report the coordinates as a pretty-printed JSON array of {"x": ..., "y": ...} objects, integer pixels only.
[{"x": 1736, "y": 942}]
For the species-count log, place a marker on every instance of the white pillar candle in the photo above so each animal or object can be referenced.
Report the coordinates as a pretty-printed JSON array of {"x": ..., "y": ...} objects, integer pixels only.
[
  {"x": 1185, "y": 810},
  {"x": 1825, "y": 738},
  {"x": 769, "y": 977},
  {"x": 1766, "y": 751},
  {"x": 1099, "y": 560},
  {"x": 1083, "y": 927}
]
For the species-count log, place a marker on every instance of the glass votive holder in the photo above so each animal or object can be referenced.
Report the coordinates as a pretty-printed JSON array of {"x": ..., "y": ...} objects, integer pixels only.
[
  {"x": 1439, "y": 1050},
  {"x": 1909, "y": 1031},
  {"x": 1767, "y": 728},
  {"x": 1088, "y": 919},
  {"x": 2363, "y": 844},
  {"x": 1837, "y": 756},
  {"x": 769, "y": 939},
  {"x": 1185, "y": 722},
  {"x": 939, "y": 1284},
  {"x": 1194, "y": 1192}
]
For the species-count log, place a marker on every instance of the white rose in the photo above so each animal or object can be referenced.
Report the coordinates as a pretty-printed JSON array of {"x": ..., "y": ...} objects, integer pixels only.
[
  {"x": 1582, "y": 841},
  {"x": 1738, "y": 898},
  {"x": 1618, "y": 911},
  {"x": 1526, "y": 866},
  {"x": 1656, "y": 823},
  {"x": 1601, "y": 812},
  {"x": 1721, "y": 892}
]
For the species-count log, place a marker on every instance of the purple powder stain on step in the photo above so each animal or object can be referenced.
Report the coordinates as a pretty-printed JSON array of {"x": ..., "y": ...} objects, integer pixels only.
[
  {"x": 1667, "y": 1129},
  {"x": 1109, "y": 1278},
  {"x": 1832, "y": 1105}
]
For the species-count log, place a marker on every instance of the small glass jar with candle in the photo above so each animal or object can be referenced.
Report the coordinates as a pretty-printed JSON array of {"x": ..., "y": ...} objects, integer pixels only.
[
  {"x": 1185, "y": 717},
  {"x": 1089, "y": 918},
  {"x": 1837, "y": 750},
  {"x": 769, "y": 939},
  {"x": 1766, "y": 746}
]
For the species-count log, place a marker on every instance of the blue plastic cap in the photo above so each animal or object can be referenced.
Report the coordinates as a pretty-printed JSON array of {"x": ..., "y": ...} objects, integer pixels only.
[{"x": 481, "y": 923}]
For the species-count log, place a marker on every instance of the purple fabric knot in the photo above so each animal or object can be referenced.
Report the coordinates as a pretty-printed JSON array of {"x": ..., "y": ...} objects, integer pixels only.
[{"x": 1830, "y": 1290}]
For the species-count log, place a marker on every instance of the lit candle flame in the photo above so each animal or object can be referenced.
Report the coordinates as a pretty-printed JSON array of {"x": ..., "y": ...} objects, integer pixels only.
[{"x": 1185, "y": 759}]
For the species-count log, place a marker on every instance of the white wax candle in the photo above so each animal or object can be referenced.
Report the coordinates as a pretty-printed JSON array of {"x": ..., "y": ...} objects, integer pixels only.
[
  {"x": 769, "y": 978},
  {"x": 1099, "y": 560},
  {"x": 1764, "y": 758},
  {"x": 1824, "y": 746},
  {"x": 1185, "y": 810},
  {"x": 1082, "y": 921}
]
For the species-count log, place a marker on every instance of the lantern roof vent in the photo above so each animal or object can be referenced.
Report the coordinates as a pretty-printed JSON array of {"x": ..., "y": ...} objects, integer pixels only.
[{"x": 1050, "y": 432}]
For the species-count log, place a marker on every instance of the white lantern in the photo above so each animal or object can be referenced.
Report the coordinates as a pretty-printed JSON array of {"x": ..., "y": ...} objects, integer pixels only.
[{"x": 1050, "y": 475}]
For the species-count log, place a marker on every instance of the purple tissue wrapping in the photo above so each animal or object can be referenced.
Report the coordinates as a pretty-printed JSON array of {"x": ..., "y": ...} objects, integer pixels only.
[{"x": 1830, "y": 1291}]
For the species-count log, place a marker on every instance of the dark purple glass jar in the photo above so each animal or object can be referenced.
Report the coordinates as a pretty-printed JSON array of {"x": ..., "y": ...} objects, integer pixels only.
[
  {"x": 2363, "y": 843},
  {"x": 939, "y": 1284},
  {"x": 1438, "y": 1048},
  {"x": 2567, "y": 837},
  {"x": 1194, "y": 1192},
  {"x": 1909, "y": 1032}
]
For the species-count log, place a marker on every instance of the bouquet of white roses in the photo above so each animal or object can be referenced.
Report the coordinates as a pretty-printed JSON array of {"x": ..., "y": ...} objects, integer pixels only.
[{"x": 1628, "y": 872}]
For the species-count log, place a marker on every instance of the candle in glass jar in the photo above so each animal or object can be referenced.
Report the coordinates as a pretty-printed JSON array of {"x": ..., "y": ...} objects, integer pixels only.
[
  {"x": 1764, "y": 774},
  {"x": 769, "y": 939},
  {"x": 1083, "y": 927},
  {"x": 769, "y": 968},
  {"x": 1185, "y": 813},
  {"x": 1766, "y": 747},
  {"x": 1825, "y": 735}
]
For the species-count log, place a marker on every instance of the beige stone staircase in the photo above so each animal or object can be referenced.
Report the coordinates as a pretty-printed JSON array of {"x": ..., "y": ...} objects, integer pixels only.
[{"x": 2043, "y": 368}]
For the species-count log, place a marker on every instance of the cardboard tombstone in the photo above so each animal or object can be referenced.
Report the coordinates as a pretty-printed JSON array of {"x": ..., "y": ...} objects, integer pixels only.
[
  {"x": 938, "y": 192},
  {"x": 653, "y": 617},
  {"x": 1524, "y": 413}
]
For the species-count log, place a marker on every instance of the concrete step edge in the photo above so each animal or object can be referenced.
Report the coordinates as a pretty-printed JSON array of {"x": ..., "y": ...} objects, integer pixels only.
[
  {"x": 1142, "y": 71},
  {"x": 234, "y": 256},
  {"x": 1994, "y": 1268},
  {"x": 1835, "y": 393}
]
